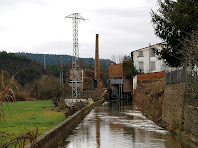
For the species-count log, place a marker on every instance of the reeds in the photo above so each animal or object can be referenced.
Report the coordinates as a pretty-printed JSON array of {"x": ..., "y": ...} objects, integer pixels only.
[
  {"x": 6, "y": 94},
  {"x": 21, "y": 140}
]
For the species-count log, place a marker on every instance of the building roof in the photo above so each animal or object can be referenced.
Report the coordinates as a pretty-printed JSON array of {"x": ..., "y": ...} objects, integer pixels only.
[
  {"x": 116, "y": 71},
  {"x": 150, "y": 46}
]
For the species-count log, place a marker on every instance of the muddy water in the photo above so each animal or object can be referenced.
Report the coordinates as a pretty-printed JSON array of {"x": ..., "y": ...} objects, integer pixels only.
[{"x": 120, "y": 125}]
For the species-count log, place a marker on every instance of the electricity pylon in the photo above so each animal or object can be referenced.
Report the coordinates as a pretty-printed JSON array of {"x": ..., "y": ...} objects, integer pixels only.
[{"x": 75, "y": 59}]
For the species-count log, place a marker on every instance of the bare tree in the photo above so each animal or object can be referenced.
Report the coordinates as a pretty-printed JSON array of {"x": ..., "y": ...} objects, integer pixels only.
[
  {"x": 190, "y": 63},
  {"x": 113, "y": 58},
  {"x": 190, "y": 51},
  {"x": 117, "y": 58}
]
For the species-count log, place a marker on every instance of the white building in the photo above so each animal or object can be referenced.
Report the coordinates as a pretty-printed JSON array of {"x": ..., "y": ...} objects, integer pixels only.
[{"x": 147, "y": 61}]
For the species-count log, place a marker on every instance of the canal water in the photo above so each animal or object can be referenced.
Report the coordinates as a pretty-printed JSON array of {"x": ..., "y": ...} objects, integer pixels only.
[{"x": 119, "y": 124}]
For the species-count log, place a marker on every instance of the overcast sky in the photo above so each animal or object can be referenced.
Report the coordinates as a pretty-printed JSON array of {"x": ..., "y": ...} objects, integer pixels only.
[{"x": 39, "y": 26}]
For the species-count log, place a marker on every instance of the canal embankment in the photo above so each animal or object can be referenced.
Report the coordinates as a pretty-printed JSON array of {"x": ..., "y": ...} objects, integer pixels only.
[
  {"x": 53, "y": 137},
  {"x": 169, "y": 106}
]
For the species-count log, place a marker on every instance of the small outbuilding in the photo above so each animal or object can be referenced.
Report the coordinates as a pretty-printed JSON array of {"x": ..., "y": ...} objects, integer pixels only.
[{"x": 120, "y": 82}]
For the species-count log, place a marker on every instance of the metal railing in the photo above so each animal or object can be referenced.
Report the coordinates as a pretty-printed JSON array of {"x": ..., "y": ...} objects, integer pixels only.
[{"x": 176, "y": 76}]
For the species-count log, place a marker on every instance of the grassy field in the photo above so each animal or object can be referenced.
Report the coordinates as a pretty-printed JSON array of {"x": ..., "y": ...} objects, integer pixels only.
[{"x": 22, "y": 117}]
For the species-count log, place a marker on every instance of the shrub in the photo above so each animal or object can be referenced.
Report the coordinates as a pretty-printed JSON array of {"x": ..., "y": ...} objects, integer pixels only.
[
  {"x": 22, "y": 96},
  {"x": 45, "y": 88}
]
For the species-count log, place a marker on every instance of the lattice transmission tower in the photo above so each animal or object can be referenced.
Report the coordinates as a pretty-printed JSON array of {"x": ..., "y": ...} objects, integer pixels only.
[{"x": 75, "y": 59}]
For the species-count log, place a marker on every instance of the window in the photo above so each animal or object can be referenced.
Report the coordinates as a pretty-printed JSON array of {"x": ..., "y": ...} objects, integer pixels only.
[
  {"x": 152, "y": 53},
  {"x": 153, "y": 66},
  {"x": 140, "y": 54},
  {"x": 141, "y": 66}
]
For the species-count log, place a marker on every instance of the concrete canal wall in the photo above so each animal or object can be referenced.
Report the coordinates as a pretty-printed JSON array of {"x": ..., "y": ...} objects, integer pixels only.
[{"x": 52, "y": 137}]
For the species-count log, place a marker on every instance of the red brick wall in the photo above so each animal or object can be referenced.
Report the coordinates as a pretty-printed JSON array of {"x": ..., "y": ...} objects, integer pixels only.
[
  {"x": 89, "y": 73},
  {"x": 116, "y": 71},
  {"x": 151, "y": 76},
  {"x": 88, "y": 83}
]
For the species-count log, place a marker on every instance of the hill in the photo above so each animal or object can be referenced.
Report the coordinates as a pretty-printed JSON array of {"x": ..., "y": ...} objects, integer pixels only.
[
  {"x": 27, "y": 69},
  {"x": 56, "y": 59},
  {"x": 53, "y": 63}
]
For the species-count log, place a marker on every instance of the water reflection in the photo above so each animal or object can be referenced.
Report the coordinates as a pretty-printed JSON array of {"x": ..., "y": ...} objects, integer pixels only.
[
  {"x": 119, "y": 124},
  {"x": 98, "y": 131}
]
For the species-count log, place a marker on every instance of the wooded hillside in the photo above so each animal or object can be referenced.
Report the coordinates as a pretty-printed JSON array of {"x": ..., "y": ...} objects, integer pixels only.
[
  {"x": 53, "y": 63},
  {"x": 30, "y": 66},
  {"x": 27, "y": 69},
  {"x": 56, "y": 59}
]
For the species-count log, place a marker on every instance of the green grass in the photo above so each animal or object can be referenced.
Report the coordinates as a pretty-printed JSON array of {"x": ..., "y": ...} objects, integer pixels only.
[{"x": 22, "y": 117}]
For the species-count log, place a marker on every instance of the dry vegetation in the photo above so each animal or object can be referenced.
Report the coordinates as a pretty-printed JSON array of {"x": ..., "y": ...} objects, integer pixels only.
[
  {"x": 7, "y": 94},
  {"x": 150, "y": 99},
  {"x": 47, "y": 87},
  {"x": 21, "y": 140}
]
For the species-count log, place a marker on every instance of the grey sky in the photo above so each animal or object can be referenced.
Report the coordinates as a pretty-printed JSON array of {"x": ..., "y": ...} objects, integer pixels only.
[{"x": 39, "y": 26}]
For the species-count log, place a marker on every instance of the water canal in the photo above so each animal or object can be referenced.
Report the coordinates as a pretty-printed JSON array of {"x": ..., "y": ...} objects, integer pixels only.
[{"x": 120, "y": 125}]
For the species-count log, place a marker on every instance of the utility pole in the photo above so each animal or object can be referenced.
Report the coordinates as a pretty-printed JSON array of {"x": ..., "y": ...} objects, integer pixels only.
[
  {"x": 61, "y": 78},
  {"x": 75, "y": 59},
  {"x": 61, "y": 74},
  {"x": 44, "y": 62}
]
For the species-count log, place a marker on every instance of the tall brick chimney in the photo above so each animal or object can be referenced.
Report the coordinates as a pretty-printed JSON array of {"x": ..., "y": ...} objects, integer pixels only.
[{"x": 97, "y": 64}]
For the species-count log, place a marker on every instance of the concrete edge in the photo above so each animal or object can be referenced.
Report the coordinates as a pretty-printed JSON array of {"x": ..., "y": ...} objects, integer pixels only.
[{"x": 52, "y": 137}]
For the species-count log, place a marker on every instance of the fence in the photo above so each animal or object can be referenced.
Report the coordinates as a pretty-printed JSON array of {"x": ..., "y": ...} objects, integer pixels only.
[
  {"x": 176, "y": 76},
  {"x": 171, "y": 77}
]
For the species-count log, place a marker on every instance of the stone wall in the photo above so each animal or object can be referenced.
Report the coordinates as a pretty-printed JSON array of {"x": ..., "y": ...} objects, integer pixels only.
[
  {"x": 191, "y": 122},
  {"x": 179, "y": 114},
  {"x": 172, "y": 108},
  {"x": 191, "y": 118}
]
